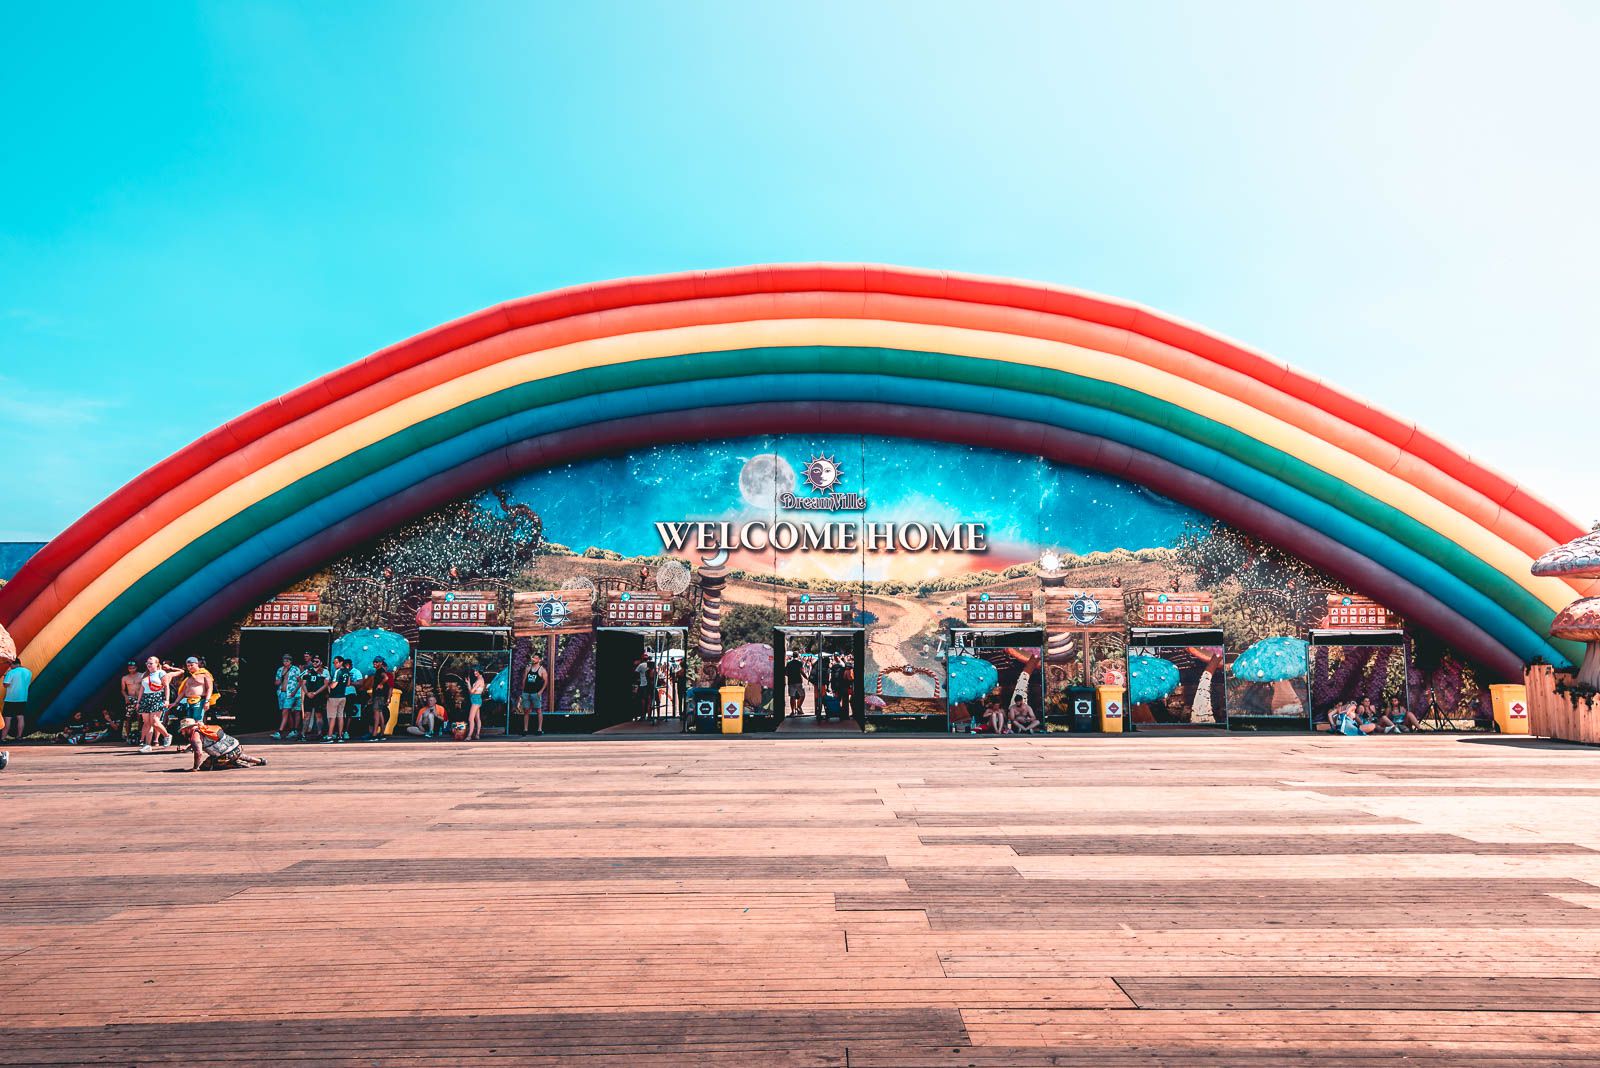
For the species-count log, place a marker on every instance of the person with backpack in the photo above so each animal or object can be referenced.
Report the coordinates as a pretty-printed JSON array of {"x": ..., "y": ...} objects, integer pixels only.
[{"x": 214, "y": 748}]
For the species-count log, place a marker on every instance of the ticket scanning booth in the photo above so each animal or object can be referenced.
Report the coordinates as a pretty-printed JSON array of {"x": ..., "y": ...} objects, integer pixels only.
[
  {"x": 443, "y": 657},
  {"x": 815, "y": 646},
  {"x": 616, "y": 654},
  {"x": 261, "y": 652}
]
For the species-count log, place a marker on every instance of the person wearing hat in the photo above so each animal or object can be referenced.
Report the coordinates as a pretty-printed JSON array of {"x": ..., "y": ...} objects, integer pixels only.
[
  {"x": 130, "y": 700},
  {"x": 215, "y": 748},
  {"x": 194, "y": 691},
  {"x": 16, "y": 680}
]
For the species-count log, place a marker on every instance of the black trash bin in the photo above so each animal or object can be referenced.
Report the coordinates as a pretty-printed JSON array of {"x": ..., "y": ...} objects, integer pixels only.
[
  {"x": 700, "y": 710},
  {"x": 1080, "y": 706}
]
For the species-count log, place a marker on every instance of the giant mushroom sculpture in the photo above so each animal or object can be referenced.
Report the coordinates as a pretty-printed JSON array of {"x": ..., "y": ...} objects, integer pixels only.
[{"x": 1580, "y": 620}]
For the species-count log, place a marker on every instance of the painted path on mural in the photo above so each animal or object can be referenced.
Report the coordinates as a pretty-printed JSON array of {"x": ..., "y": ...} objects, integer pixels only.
[{"x": 810, "y": 901}]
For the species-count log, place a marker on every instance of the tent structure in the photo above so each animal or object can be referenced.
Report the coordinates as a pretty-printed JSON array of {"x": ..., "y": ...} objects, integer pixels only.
[{"x": 1369, "y": 498}]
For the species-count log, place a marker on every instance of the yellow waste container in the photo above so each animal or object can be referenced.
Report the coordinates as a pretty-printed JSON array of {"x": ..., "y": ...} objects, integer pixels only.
[
  {"x": 1510, "y": 708},
  {"x": 1112, "y": 705},
  {"x": 731, "y": 711}
]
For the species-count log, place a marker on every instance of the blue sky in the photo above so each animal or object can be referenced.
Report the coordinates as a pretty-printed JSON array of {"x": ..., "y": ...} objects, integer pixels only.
[{"x": 204, "y": 206}]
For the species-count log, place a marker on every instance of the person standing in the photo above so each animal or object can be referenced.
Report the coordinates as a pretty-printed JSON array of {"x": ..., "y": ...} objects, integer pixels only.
[
  {"x": 339, "y": 689},
  {"x": 794, "y": 676},
  {"x": 154, "y": 696},
  {"x": 476, "y": 685},
  {"x": 532, "y": 699},
  {"x": 382, "y": 686},
  {"x": 316, "y": 697},
  {"x": 130, "y": 700},
  {"x": 15, "y": 714},
  {"x": 194, "y": 691},
  {"x": 839, "y": 684},
  {"x": 680, "y": 678},
  {"x": 642, "y": 689},
  {"x": 287, "y": 685},
  {"x": 820, "y": 670}
]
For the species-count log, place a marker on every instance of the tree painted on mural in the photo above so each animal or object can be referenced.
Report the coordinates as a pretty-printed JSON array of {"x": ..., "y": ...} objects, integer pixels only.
[
  {"x": 1258, "y": 591},
  {"x": 484, "y": 542}
]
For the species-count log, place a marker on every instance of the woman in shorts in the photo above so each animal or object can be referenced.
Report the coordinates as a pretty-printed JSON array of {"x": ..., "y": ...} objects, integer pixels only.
[
  {"x": 154, "y": 696},
  {"x": 476, "y": 685}
]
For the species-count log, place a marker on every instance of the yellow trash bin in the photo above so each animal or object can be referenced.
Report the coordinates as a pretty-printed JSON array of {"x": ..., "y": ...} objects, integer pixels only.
[
  {"x": 1112, "y": 704},
  {"x": 731, "y": 710},
  {"x": 1510, "y": 708}
]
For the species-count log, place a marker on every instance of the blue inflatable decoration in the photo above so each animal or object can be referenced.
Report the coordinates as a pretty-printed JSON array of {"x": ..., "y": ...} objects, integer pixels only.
[
  {"x": 1272, "y": 660},
  {"x": 361, "y": 647},
  {"x": 1150, "y": 678},
  {"x": 970, "y": 677}
]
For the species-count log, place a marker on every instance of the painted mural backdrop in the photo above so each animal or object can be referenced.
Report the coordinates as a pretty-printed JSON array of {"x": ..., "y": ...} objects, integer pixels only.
[{"x": 908, "y": 528}]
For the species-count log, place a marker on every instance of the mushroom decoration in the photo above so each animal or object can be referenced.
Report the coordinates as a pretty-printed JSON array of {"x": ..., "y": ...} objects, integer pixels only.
[
  {"x": 1580, "y": 620},
  {"x": 970, "y": 678},
  {"x": 1150, "y": 678},
  {"x": 361, "y": 647},
  {"x": 8, "y": 648},
  {"x": 1272, "y": 660},
  {"x": 749, "y": 663}
]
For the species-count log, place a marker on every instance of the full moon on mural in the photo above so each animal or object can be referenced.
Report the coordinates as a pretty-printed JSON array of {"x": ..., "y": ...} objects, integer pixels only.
[{"x": 763, "y": 477}]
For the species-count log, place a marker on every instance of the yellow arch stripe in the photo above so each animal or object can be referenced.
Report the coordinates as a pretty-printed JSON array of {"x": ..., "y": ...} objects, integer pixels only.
[{"x": 867, "y": 333}]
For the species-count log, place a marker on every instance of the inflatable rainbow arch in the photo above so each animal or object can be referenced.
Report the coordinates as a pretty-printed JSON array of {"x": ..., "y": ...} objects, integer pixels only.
[{"x": 1371, "y": 499}]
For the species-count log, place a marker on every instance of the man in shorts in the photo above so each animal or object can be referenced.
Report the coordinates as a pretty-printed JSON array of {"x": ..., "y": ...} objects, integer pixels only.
[
  {"x": 315, "y": 684},
  {"x": 17, "y": 679},
  {"x": 532, "y": 699},
  {"x": 287, "y": 688},
  {"x": 794, "y": 675},
  {"x": 339, "y": 690},
  {"x": 130, "y": 701},
  {"x": 213, "y": 748},
  {"x": 194, "y": 691}
]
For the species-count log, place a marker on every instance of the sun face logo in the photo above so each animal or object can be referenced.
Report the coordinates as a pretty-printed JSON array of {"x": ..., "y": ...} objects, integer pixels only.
[
  {"x": 822, "y": 473},
  {"x": 553, "y": 611},
  {"x": 1085, "y": 610}
]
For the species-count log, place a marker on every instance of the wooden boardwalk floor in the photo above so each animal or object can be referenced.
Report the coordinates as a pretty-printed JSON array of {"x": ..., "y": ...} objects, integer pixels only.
[{"x": 856, "y": 901}]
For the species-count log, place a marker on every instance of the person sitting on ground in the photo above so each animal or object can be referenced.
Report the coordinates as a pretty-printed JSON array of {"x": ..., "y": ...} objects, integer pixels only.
[
  {"x": 1021, "y": 715},
  {"x": 107, "y": 729},
  {"x": 73, "y": 730},
  {"x": 213, "y": 748},
  {"x": 994, "y": 716},
  {"x": 1344, "y": 719},
  {"x": 1397, "y": 717},
  {"x": 430, "y": 718}
]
